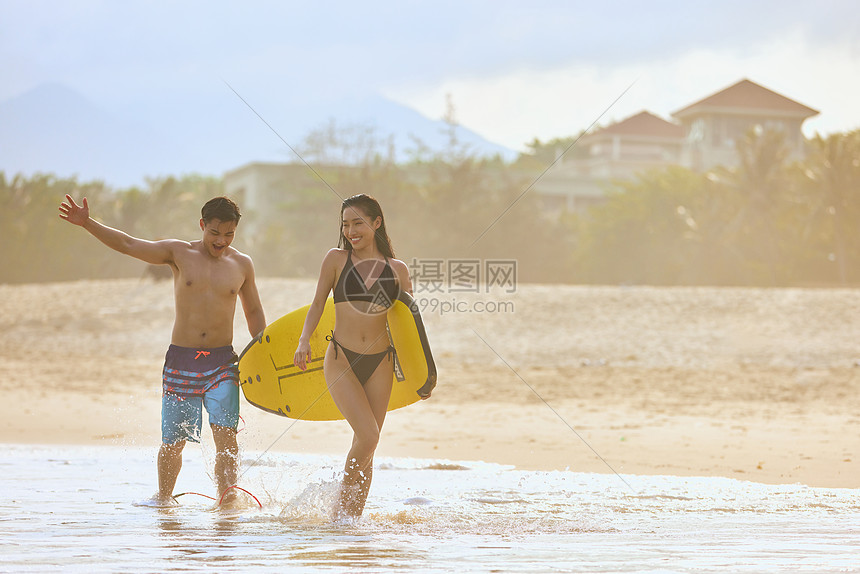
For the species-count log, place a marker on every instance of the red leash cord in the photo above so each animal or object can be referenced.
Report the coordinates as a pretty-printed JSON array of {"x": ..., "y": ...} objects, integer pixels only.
[
  {"x": 237, "y": 487},
  {"x": 223, "y": 494}
]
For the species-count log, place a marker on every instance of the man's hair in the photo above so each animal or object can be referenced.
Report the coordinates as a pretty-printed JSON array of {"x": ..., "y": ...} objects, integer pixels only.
[{"x": 220, "y": 208}]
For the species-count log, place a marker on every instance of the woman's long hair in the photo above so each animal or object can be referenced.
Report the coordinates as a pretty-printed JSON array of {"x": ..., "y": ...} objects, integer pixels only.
[{"x": 371, "y": 209}]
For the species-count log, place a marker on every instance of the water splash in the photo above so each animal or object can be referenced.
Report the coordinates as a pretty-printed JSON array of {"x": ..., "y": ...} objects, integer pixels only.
[{"x": 69, "y": 508}]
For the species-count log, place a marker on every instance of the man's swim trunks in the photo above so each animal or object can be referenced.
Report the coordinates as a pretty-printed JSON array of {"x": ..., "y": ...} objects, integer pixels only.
[{"x": 192, "y": 379}]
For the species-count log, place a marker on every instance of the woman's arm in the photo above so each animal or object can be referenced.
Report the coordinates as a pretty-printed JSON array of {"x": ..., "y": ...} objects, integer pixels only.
[
  {"x": 402, "y": 272},
  {"x": 328, "y": 272}
]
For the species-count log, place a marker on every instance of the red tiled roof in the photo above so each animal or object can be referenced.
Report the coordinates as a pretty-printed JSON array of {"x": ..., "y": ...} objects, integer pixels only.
[
  {"x": 748, "y": 95},
  {"x": 643, "y": 124}
]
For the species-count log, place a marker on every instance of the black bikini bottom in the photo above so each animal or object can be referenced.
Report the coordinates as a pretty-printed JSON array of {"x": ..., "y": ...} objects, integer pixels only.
[{"x": 362, "y": 365}]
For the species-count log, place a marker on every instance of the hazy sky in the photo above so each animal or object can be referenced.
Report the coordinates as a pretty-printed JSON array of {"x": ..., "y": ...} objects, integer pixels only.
[{"x": 515, "y": 70}]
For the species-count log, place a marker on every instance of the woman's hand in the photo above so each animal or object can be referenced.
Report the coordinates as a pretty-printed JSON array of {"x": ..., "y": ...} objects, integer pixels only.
[{"x": 303, "y": 355}]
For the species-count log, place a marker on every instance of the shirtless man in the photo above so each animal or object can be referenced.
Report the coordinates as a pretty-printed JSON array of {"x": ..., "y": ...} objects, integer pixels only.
[{"x": 200, "y": 365}]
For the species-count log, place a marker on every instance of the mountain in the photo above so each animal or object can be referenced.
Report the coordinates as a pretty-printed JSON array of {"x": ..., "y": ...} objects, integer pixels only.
[{"x": 55, "y": 129}]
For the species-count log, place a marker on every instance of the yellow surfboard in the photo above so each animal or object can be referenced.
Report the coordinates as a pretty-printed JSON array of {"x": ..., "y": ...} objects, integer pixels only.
[{"x": 271, "y": 381}]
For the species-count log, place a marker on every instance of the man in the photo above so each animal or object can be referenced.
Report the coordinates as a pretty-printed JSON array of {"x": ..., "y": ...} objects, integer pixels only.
[{"x": 200, "y": 365}]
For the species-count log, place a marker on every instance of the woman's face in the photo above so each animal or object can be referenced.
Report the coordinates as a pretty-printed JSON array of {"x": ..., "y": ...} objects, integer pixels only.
[{"x": 358, "y": 228}]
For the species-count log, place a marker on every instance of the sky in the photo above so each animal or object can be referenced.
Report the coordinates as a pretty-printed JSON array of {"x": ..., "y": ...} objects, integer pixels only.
[{"x": 514, "y": 70}]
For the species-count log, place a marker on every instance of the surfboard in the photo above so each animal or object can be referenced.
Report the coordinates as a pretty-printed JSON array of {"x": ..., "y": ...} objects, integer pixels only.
[{"x": 270, "y": 381}]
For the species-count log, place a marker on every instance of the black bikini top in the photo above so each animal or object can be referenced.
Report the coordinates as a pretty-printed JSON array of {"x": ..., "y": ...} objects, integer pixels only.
[{"x": 351, "y": 287}]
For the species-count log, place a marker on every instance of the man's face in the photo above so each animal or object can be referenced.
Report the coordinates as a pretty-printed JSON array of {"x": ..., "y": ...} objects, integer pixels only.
[{"x": 217, "y": 235}]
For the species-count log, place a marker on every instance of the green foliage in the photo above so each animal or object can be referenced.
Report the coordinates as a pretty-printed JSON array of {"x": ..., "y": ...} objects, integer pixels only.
[
  {"x": 769, "y": 221},
  {"x": 299, "y": 226},
  {"x": 766, "y": 222},
  {"x": 43, "y": 246},
  {"x": 542, "y": 154},
  {"x": 46, "y": 248},
  {"x": 830, "y": 185},
  {"x": 649, "y": 232}
]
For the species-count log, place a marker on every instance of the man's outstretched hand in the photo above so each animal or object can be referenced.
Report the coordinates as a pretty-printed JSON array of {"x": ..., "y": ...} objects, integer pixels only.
[{"x": 74, "y": 213}]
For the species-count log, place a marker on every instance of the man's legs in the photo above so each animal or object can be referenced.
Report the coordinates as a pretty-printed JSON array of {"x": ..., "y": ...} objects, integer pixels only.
[
  {"x": 226, "y": 459},
  {"x": 222, "y": 403},
  {"x": 180, "y": 421},
  {"x": 169, "y": 464}
]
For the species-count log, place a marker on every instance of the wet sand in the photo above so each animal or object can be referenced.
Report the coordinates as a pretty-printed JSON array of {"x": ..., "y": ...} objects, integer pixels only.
[{"x": 754, "y": 384}]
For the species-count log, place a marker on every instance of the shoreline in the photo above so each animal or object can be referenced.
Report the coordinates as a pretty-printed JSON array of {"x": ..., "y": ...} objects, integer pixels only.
[
  {"x": 751, "y": 384},
  {"x": 797, "y": 451}
]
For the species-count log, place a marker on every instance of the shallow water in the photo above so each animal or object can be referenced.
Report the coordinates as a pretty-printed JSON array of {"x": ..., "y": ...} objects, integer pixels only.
[{"x": 72, "y": 508}]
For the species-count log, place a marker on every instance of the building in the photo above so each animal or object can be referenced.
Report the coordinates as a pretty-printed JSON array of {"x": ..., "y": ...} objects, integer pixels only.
[
  {"x": 713, "y": 125},
  {"x": 261, "y": 188},
  {"x": 702, "y": 137},
  {"x": 616, "y": 152}
]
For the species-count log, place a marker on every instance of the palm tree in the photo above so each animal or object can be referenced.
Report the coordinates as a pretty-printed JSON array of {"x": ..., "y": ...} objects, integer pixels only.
[
  {"x": 759, "y": 185},
  {"x": 833, "y": 181}
]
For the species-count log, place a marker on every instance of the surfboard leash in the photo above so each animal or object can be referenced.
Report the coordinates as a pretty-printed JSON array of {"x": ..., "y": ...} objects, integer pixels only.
[
  {"x": 223, "y": 494},
  {"x": 237, "y": 487},
  {"x": 175, "y": 496}
]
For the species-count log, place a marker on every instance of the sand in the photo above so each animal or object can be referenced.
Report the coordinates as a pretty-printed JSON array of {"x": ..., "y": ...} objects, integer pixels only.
[{"x": 753, "y": 384}]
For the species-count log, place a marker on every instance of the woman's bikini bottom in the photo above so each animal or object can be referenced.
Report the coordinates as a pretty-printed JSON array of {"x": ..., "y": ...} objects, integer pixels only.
[{"x": 362, "y": 365}]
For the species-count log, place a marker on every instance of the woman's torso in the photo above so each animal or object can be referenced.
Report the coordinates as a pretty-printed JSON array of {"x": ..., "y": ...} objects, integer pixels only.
[{"x": 362, "y": 302}]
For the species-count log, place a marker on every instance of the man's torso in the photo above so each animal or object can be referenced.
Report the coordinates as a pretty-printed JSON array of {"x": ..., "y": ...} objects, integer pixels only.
[{"x": 205, "y": 291}]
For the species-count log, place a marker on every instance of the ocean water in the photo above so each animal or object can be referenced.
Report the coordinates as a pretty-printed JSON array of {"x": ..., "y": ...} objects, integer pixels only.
[{"x": 72, "y": 509}]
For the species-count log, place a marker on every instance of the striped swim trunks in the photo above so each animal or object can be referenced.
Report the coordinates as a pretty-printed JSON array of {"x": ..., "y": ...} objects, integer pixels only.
[{"x": 193, "y": 379}]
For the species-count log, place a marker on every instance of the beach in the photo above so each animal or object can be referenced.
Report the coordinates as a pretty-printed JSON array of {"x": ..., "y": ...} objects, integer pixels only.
[{"x": 753, "y": 384}]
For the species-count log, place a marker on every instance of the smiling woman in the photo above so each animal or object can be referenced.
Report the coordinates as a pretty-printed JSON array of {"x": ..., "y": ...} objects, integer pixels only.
[{"x": 359, "y": 360}]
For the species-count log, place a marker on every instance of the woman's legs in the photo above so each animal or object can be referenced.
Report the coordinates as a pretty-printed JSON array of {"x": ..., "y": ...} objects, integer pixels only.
[{"x": 364, "y": 408}]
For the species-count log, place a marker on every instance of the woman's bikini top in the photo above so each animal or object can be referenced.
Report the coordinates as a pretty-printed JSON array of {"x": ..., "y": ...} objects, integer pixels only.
[{"x": 351, "y": 286}]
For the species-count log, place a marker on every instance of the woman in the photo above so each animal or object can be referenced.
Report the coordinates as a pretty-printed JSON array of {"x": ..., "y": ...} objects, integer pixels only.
[{"x": 365, "y": 280}]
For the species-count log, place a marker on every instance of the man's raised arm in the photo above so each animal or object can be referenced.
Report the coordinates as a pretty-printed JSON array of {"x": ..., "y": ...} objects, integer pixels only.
[{"x": 155, "y": 252}]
